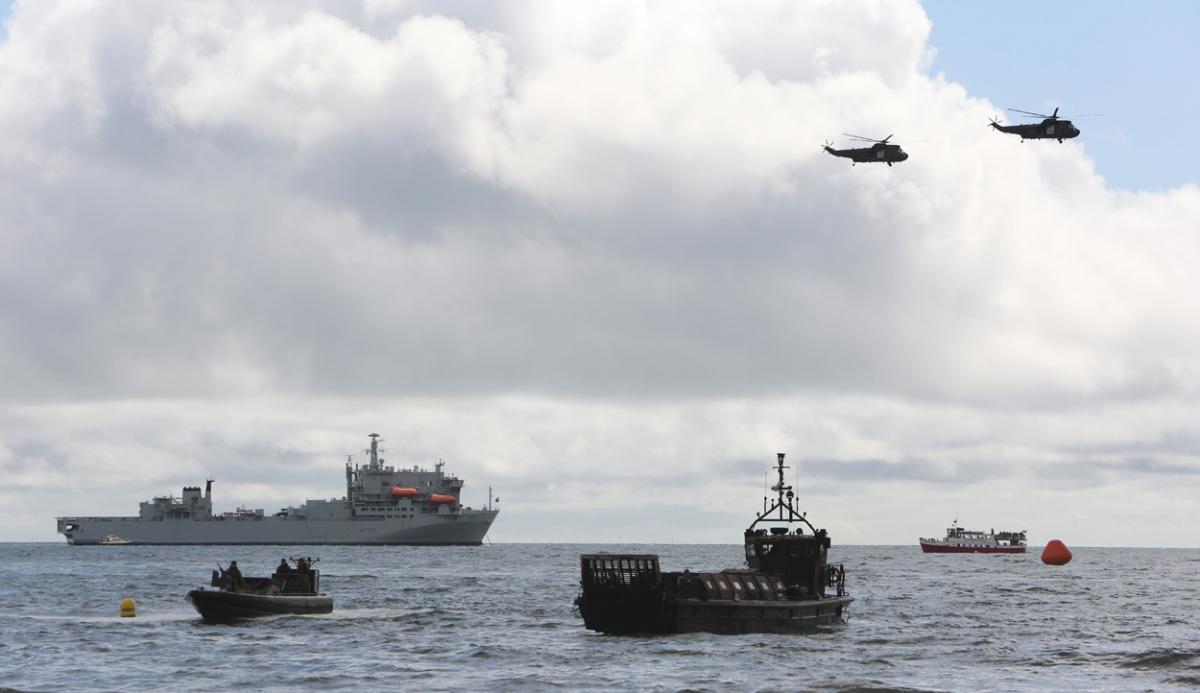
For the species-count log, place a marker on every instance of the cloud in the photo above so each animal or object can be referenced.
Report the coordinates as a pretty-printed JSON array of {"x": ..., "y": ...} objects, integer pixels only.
[{"x": 618, "y": 211}]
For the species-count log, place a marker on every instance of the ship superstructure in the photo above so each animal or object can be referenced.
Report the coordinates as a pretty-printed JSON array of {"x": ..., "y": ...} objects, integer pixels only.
[{"x": 383, "y": 505}]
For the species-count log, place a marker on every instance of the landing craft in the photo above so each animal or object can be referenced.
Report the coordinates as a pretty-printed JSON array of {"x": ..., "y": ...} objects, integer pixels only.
[
  {"x": 1051, "y": 128},
  {"x": 880, "y": 151}
]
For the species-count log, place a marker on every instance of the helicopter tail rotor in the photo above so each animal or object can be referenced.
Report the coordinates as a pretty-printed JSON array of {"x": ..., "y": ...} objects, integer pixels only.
[{"x": 828, "y": 146}]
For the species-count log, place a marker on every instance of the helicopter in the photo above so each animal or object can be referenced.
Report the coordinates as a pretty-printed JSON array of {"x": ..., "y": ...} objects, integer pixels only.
[
  {"x": 880, "y": 151},
  {"x": 1051, "y": 128}
]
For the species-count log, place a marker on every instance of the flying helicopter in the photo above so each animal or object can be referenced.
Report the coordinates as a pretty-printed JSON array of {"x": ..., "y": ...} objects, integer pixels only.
[
  {"x": 1051, "y": 128},
  {"x": 880, "y": 151}
]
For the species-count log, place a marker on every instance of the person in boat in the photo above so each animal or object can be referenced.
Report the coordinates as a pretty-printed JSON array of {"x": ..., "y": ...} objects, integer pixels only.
[
  {"x": 234, "y": 575},
  {"x": 303, "y": 576},
  {"x": 283, "y": 572}
]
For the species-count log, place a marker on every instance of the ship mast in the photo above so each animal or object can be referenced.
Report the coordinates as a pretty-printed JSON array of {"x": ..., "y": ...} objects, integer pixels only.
[
  {"x": 374, "y": 450},
  {"x": 784, "y": 507}
]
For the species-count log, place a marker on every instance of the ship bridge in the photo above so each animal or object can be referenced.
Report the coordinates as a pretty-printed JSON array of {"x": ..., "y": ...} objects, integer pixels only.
[{"x": 192, "y": 506}]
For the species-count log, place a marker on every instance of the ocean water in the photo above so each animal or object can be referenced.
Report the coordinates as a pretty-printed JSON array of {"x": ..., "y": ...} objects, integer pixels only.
[{"x": 499, "y": 617}]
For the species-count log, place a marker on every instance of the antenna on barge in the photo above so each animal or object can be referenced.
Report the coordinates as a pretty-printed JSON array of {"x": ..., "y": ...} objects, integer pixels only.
[
  {"x": 765, "y": 472},
  {"x": 785, "y": 505}
]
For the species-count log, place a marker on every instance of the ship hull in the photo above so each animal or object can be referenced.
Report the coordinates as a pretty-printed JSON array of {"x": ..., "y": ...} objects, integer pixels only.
[
  {"x": 720, "y": 616},
  {"x": 737, "y": 617},
  {"x": 949, "y": 548},
  {"x": 467, "y": 528},
  {"x": 230, "y": 606}
]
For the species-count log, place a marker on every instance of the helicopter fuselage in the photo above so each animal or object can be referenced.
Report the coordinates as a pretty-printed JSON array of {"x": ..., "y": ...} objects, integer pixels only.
[
  {"x": 878, "y": 153},
  {"x": 1049, "y": 129}
]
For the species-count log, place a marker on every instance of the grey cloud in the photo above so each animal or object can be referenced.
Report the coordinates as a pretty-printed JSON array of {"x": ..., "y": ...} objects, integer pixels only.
[
  {"x": 955, "y": 473},
  {"x": 1172, "y": 442},
  {"x": 1096, "y": 471},
  {"x": 30, "y": 453},
  {"x": 1149, "y": 465},
  {"x": 1172, "y": 476}
]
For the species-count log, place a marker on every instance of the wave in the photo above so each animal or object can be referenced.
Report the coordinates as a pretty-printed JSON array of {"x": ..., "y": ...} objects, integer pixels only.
[{"x": 1160, "y": 659}]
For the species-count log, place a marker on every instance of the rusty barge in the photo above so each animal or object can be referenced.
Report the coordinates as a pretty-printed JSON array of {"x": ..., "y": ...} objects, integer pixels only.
[{"x": 787, "y": 586}]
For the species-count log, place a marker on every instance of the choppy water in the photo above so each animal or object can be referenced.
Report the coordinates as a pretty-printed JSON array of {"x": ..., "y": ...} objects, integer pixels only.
[{"x": 500, "y": 617}]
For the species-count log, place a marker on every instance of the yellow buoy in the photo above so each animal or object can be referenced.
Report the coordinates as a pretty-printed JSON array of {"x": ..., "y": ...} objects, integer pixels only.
[{"x": 128, "y": 608}]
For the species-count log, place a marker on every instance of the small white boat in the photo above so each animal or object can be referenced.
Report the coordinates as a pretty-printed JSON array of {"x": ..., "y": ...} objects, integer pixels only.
[
  {"x": 114, "y": 540},
  {"x": 959, "y": 540}
]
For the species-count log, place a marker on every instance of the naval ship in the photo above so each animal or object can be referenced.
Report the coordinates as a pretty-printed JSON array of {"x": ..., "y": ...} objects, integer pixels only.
[{"x": 383, "y": 505}]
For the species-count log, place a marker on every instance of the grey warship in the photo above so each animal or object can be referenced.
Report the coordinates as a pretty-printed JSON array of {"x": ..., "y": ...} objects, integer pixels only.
[
  {"x": 787, "y": 586},
  {"x": 383, "y": 505}
]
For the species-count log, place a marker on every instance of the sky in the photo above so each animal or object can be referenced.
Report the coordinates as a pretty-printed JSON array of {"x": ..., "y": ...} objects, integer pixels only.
[
  {"x": 1128, "y": 62},
  {"x": 592, "y": 256}
]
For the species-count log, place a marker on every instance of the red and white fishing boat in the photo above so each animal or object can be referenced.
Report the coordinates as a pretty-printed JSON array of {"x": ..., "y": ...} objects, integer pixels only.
[{"x": 959, "y": 540}]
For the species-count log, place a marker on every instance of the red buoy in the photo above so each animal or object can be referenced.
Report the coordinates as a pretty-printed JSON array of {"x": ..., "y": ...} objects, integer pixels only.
[{"x": 1056, "y": 553}]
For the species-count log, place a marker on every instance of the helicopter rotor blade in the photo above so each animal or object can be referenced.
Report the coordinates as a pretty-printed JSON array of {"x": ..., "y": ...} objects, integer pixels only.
[
  {"x": 1031, "y": 114},
  {"x": 885, "y": 139},
  {"x": 860, "y": 137}
]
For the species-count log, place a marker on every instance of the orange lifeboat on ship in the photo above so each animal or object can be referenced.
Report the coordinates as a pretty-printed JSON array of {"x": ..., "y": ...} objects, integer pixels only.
[
  {"x": 402, "y": 492},
  {"x": 442, "y": 498}
]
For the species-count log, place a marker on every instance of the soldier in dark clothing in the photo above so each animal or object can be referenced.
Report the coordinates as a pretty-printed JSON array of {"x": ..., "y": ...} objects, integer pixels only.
[
  {"x": 303, "y": 576},
  {"x": 236, "y": 583},
  {"x": 282, "y": 573}
]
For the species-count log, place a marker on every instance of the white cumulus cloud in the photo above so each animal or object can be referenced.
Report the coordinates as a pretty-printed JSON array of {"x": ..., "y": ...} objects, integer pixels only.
[{"x": 589, "y": 245}]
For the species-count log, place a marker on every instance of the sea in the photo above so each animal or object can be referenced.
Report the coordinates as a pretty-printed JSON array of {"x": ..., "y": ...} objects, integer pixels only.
[{"x": 500, "y": 617}]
